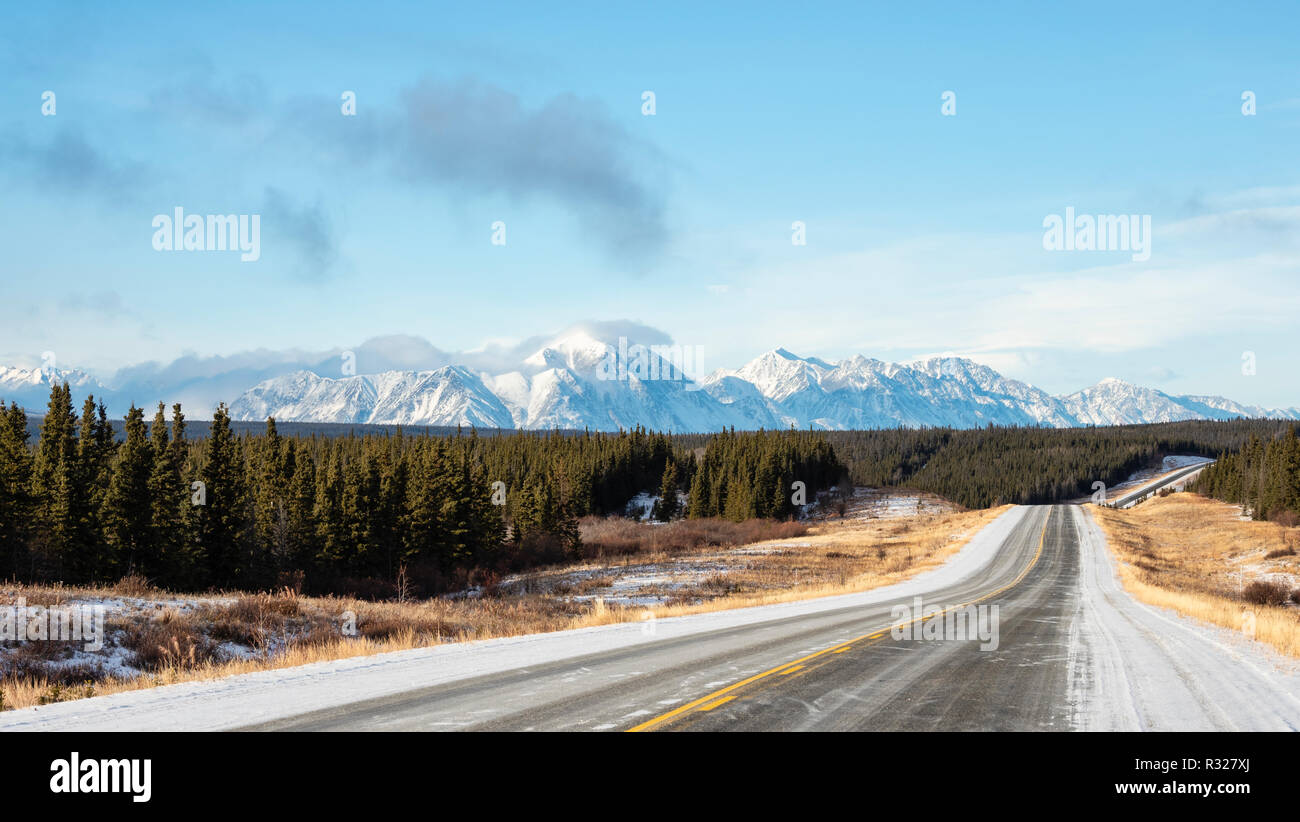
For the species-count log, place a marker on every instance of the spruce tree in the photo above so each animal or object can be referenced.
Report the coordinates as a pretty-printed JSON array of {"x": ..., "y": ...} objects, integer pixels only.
[
  {"x": 16, "y": 501},
  {"x": 126, "y": 511},
  {"x": 223, "y": 521},
  {"x": 58, "y": 489},
  {"x": 168, "y": 497},
  {"x": 665, "y": 508}
]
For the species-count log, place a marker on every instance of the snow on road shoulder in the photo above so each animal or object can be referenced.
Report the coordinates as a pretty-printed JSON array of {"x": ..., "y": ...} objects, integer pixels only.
[
  {"x": 1133, "y": 666},
  {"x": 264, "y": 696}
]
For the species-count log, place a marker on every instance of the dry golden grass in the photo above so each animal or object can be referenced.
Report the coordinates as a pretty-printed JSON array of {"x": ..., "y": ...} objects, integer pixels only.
[
  {"x": 1198, "y": 557},
  {"x": 835, "y": 557}
]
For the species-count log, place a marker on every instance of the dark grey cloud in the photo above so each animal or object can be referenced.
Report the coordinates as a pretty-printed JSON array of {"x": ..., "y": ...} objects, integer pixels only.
[
  {"x": 67, "y": 163},
  {"x": 306, "y": 230},
  {"x": 477, "y": 138}
]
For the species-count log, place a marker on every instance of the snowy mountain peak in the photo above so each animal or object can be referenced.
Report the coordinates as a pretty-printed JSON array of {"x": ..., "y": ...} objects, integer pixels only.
[
  {"x": 30, "y": 387},
  {"x": 43, "y": 375},
  {"x": 451, "y": 395},
  {"x": 778, "y": 374},
  {"x": 953, "y": 366},
  {"x": 575, "y": 349}
]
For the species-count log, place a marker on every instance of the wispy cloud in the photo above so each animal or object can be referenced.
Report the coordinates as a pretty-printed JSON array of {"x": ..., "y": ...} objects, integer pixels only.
[
  {"x": 477, "y": 138},
  {"x": 67, "y": 163},
  {"x": 306, "y": 229}
]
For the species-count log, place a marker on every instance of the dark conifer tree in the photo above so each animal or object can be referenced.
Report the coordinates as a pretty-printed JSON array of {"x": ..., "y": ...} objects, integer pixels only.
[
  {"x": 126, "y": 511},
  {"x": 16, "y": 500},
  {"x": 223, "y": 521}
]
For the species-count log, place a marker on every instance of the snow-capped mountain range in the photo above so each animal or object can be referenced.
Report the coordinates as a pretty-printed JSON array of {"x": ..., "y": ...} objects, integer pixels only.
[
  {"x": 577, "y": 381},
  {"x": 30, "y": 387}
]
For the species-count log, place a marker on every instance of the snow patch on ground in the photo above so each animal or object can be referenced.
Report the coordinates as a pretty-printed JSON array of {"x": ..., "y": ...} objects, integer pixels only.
[
  {"x": 114, "y": 659},
  {"x": 643, "y": 505},
  {"x": 884, "y": 503}
]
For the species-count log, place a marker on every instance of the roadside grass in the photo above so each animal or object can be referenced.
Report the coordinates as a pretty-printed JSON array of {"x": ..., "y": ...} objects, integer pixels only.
[
  {"x": 171, "y": 643},
  {"x": 1198, "y": 557}
]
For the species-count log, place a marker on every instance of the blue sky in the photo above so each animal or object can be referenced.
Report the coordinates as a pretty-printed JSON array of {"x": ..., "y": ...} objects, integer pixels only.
[{"x": 924, "y": 231}]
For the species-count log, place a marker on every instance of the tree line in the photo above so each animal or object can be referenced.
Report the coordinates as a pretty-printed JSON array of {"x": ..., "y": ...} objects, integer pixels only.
[
  {"x": 983, "y": 467},
  {"x": 762, "y": 474},
  {"x": 1263, "y": 478},
  {"x": 345, "y": 514}
]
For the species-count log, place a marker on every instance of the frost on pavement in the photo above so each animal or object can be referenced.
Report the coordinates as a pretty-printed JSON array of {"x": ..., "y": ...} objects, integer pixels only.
[{"x": 1134, "y": 667}]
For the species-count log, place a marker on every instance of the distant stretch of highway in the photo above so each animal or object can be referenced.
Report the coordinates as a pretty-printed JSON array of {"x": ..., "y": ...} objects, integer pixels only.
[{"x": 1131, "y": 498}]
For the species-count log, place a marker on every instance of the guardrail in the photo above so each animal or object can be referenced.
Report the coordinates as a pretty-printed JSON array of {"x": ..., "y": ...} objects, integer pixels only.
[{"x": 1147, "y": 491}]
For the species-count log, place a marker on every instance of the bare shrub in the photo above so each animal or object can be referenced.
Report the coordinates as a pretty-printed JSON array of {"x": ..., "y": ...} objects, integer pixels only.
[
  {"x": 254, "y": 619},
  {"x": 1287, "y": 519},
  {"x": 133, "y": 585},
  {"x": 169, "y": 643},
  {"x": 488, "y": 582},
  {"x": 614, "y": 536},
  {"x": 1264, "y": 592},
  {"x": 387, "y": 624},
  {"x": 291, "y": 582}
]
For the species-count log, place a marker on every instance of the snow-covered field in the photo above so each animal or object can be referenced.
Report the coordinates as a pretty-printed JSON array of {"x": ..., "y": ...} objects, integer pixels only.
[
  {"x": 644, "y": 584},
  {"x": 885, "y": 503},
  {"x": 116, "y": 659}
]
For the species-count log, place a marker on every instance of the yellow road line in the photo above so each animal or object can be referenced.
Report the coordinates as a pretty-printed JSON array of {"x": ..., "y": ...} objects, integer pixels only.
[
  {"x": 841, "y": 650},
  {"x": 789, "y": 671},
  {"x": 711, "y": 701}
]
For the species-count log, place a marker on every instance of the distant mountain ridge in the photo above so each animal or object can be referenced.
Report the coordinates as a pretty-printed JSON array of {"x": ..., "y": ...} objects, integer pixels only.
[
  {"x": 571, "y": 383},
  {"x": 30, "y": 387},
  {"x": 576, "y": 380}
]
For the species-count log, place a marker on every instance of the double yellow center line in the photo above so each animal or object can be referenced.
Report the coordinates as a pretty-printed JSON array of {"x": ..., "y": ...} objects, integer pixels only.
[{"x": 725, "y": 695}]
